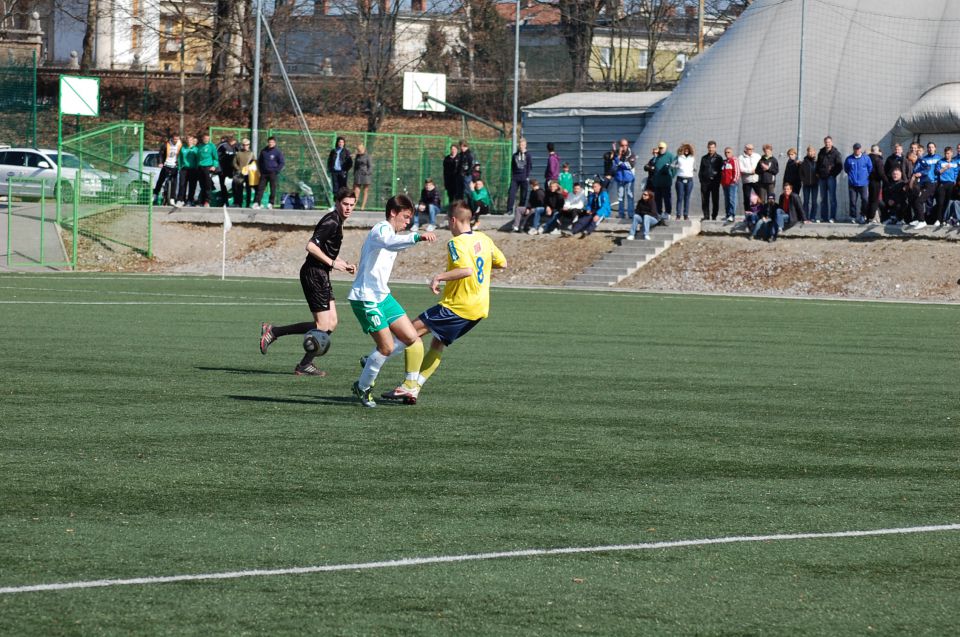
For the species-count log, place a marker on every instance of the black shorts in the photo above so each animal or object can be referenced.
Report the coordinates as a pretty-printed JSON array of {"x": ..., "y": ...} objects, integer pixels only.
[{"x": 316, "y": 288}]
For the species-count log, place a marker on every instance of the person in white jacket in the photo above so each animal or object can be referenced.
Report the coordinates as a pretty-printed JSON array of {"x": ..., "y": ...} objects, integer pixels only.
[
  {"x": 747, "y": 162},
  {"x": 379, "y": 313}
]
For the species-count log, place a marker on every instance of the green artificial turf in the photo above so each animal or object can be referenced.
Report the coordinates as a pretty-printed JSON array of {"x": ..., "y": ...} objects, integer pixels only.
[{"x": 143, "y": 434}]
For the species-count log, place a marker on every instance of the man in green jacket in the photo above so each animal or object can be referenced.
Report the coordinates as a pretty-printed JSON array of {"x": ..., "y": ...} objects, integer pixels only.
[
  {"x": 661, "y": 169},
  {"x": 208, "y": 165},
  {"x": 187, "y": 166}
]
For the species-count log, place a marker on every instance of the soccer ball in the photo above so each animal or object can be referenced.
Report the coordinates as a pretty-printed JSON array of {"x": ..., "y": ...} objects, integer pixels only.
[{"x": 316, "y": 342}]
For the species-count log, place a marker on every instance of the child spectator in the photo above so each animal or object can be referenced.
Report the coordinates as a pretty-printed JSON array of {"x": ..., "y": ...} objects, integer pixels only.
[
  {"x": 566, "y": 179},
  {"x": 429, "y": 203},
  {"x": 479, "y": 203}
]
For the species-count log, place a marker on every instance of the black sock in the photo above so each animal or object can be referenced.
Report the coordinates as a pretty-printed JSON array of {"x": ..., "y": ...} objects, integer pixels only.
[
  {"x": 307, "y": 359},
  {"x": 295, "y": 328}
]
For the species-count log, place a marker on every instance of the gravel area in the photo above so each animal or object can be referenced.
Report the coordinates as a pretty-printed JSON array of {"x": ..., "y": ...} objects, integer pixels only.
[{"x": 887, "y": 268}]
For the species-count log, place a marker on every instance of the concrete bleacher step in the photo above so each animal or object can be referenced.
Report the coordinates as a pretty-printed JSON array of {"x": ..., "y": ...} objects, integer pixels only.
[{"x": 629, "y": 256}]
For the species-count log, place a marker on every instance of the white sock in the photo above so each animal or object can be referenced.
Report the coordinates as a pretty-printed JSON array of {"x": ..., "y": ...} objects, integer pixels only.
[
  {"x": 370, "y": 371},
  {"x": 421, "y": 379}
]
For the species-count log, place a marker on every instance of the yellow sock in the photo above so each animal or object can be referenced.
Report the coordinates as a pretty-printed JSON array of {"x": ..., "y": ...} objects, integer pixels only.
[
  {"x": 430, "y": 364},
  {"x": 412, "y": 359}
]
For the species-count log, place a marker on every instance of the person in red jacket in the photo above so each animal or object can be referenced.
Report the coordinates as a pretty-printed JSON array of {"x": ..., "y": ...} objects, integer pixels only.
[{"x": 729, "y": 180}]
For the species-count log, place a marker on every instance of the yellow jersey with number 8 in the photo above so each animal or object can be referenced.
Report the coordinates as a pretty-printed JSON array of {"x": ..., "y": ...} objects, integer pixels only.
[{"x": 469, "y": 298}]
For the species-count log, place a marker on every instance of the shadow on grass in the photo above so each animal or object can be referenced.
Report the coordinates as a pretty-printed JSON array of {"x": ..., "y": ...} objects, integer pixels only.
[
  {"x": 319, "y": 400},
  {"x": 240, "y": 370}
]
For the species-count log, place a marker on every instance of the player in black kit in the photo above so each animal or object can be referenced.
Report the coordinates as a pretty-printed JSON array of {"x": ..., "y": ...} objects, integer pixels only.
[{"x": 322, "y": 256}]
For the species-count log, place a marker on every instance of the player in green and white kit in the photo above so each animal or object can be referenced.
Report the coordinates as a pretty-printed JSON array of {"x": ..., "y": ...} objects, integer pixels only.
[{"x": 379, "y": 313}]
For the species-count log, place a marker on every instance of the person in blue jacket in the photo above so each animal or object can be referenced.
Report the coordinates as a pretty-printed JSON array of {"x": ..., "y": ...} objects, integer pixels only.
[
  {"x": 598, "y": 209},
  {"x": 858, "y": 168},
  {"x": 948, "y": 170},
  {"x": 926, "y": 168}
]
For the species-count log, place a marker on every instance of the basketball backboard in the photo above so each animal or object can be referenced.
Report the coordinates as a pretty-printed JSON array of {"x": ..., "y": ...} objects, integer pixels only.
[{"x": 416, "y": 86}]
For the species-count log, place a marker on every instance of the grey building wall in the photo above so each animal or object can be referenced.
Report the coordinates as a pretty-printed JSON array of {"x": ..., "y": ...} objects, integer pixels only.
[{"x": 580, "y": 140}]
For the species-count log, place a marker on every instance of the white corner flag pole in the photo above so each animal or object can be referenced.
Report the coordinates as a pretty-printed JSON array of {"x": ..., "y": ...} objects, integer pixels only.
[{"x": 227, "y": 224}]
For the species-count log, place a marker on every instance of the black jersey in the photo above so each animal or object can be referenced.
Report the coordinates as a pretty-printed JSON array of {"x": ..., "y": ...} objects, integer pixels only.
[{"x": 328, "y": 236}]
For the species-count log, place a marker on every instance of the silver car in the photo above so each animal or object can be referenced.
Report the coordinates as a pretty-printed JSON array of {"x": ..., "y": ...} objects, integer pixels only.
[
  {"x": 141, "y": 176},
  {"x": 35, "y": 169}
]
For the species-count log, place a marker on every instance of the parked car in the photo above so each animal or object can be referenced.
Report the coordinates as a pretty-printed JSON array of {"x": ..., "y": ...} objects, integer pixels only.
[
  {"x": 36, "y": 165},
  {"x": 141, "y": 176}
]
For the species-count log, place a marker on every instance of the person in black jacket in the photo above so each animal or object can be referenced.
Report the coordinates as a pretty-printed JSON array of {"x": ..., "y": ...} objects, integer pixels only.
[
  {"x": 339, "y": 164},
  {"x": 536, "y": 204},
  {"x": 810, "y": 183},
  {"x": 875, "y": 184},
  {"x": 711, "y": 165},
  {"x": 897, "y": 204},
  {"x": 767, "y": 171},
  {"x": 791, "y": 173},
  {"x": 520, "y": 166},
  {"x": 465, "y": 163},
  {"x": 226, "y": 151},
  {"x": 430, "y": 204},
  {"x": 452, "y": 181},
  {"x": 553, "y": 203},
  {"x": 896, "y": 160},
  {"x": 829, "y": 165}
]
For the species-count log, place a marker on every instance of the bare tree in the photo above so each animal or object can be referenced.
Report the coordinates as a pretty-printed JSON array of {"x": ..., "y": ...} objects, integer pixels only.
[
  {"x": 578, "y": 19},
  {"x": 90, "y": 36}
]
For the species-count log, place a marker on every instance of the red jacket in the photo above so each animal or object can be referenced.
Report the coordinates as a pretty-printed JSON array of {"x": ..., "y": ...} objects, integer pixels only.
[{"x": 730, "y": 174}]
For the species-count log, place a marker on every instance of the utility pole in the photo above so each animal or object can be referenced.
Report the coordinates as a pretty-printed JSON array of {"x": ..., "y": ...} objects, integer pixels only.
[
  {"x": 700, "y": 28},
  {"x": 255, "y": 115},
  {"x": 516, "y": 75}
]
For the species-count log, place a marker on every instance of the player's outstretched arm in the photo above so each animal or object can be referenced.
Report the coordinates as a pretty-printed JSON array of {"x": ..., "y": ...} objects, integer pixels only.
[{"x": 449, "y": 275}]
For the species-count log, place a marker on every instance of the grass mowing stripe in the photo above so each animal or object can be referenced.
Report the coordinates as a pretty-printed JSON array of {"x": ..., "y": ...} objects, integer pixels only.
[
  {"x": 473, "y": 557},
  {"x": 156, "y": 303},
  {"x": 138, "y": 293}
]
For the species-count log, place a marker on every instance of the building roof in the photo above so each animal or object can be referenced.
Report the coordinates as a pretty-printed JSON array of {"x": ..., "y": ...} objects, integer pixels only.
[
  {"x": 585, "y": 104},
  {"x": 535, "y": 14}
]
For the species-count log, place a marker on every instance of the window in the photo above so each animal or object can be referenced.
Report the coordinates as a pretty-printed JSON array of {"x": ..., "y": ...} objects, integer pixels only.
[
  {"x": 606, "y": 53},
  {"x": 3, "y": 158},
  {"x": 33, "y": 160},
  {"x": 151, "y": 160},
  {"x": 681, "y": 62},
  {"x": 643, "y": 59},
  {"x": 15, "y": 158}
]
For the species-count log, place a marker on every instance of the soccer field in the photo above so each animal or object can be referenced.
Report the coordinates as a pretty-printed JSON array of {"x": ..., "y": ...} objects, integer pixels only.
[{"x": 144, "y": 436}]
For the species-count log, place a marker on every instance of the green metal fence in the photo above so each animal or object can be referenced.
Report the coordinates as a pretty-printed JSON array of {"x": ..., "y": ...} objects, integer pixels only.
[
  {"x": 401, "y": 163},
  {"x": 33, "y": 235},
  {"x": 18, "y": 104},
  {"x": 112, "y": 188}
]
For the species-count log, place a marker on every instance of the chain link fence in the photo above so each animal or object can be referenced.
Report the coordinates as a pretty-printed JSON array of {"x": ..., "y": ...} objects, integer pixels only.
[{"x": 400, "y": 163}]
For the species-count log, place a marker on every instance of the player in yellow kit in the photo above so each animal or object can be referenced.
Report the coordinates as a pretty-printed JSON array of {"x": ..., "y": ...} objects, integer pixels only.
[{"x": 471, "y": 255}]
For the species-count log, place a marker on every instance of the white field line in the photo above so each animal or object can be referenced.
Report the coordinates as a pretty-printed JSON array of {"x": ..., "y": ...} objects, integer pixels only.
[{"x": 472, "y": 557}]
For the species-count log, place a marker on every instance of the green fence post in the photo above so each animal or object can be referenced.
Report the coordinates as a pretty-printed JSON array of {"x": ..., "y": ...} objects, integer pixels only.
[
  {"x": 43, "y": 219},
  {"x": 393, "y": 166},
  {"x": 9, "y": 219},
  {"x": 76, "y": 230}
]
